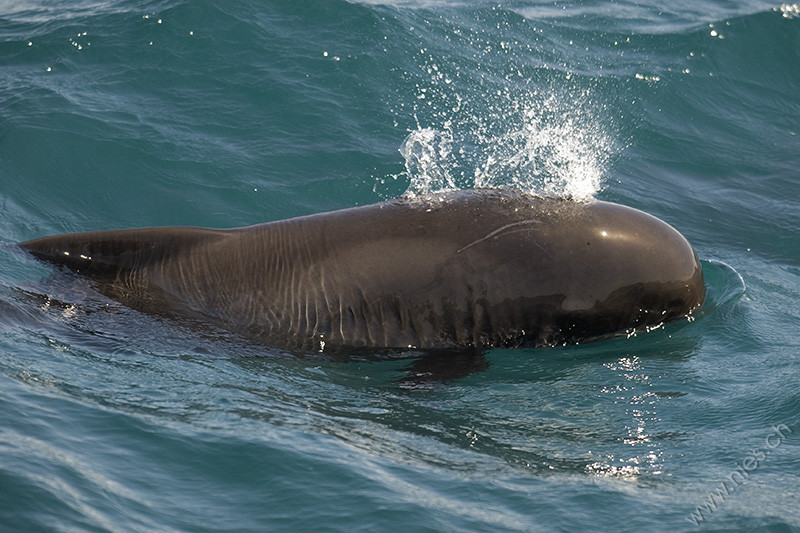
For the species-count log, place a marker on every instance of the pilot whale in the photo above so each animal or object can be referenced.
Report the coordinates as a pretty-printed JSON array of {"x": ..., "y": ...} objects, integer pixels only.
[{"x": 464, "y": 269}]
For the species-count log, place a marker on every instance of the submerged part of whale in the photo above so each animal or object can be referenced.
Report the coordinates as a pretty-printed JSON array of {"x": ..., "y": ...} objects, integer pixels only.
[{"x": 471, "y": 268}]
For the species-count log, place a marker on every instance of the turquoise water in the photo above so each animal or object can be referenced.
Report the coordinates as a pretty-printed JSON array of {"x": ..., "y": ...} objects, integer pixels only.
[{"x": 134, "y": 113}]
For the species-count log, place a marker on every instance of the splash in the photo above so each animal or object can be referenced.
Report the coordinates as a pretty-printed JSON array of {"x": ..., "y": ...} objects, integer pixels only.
[
  {"x": 428, "y": 160},
  {"x": 494, "y": 108},
  {"x": 543, "y": 144},
  {"x": 549, "y": 148}
]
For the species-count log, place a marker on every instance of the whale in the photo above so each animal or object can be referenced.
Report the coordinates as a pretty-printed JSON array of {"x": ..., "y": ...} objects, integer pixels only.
[{"x": 464, "y": 269}]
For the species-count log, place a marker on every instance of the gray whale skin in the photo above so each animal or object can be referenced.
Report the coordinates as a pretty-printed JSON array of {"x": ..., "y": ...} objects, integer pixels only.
[{"x": 463, "y": 269}]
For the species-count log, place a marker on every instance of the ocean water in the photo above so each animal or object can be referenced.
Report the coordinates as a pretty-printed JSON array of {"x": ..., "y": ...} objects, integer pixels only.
[{"x": 144, "y": 113}]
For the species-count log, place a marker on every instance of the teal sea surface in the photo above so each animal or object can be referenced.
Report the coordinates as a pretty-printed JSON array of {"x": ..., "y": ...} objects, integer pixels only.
[{"x": 138, "y": 113}]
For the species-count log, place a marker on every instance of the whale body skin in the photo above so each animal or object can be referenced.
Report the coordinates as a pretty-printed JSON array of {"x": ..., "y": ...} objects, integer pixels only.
[{"x": 462, "y": 269}]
